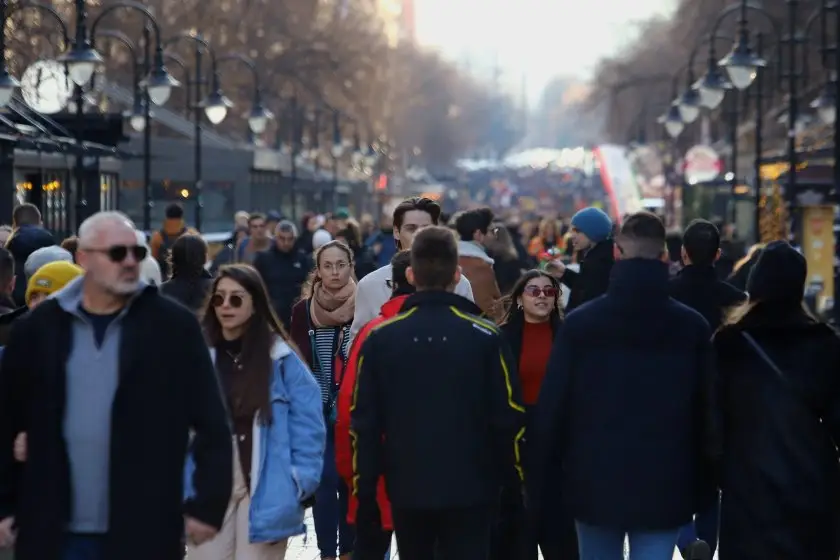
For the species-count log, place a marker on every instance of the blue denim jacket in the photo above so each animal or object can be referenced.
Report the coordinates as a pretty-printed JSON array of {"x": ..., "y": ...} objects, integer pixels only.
[{"x": 288, "y": 454}]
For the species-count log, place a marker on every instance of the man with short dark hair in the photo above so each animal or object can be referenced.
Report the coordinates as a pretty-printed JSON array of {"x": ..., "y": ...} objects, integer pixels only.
[
  {"x": 625, "y": 415},
  {"x": 410, "y": 216},
  {"x": 437, "y": 411},
  {"x": 697, "y": 286},
  {"x": 258, "y": 239},
  {"x": 162, "y": 240},
  {"x": 28, "y": 236},
  {"x": 473, "y": 227},
  {"x": 284, "y": 270}
]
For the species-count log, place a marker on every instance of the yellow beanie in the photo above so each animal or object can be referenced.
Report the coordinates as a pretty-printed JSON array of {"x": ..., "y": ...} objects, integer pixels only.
[{"x": 52, "y": 277}]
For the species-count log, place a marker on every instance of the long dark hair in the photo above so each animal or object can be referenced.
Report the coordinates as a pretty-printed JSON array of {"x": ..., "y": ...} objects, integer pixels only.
[
  {"x": 514, "y": 313},
  {"x": 261, "y": 331}
]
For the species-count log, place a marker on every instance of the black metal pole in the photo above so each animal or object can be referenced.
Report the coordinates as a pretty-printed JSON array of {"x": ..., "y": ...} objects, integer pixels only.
[
  {"x": 733, "y": 160},
  {"x": 759, "y": 130},
  {"x": 79, "y": 162},
  {"x": 836, "y": 150},
  {"x": 197, "y": 116},
  {"x": 7, "y": 179},
  {"x": 148, "y": 202},
  {"x": 793, "y": 114}
]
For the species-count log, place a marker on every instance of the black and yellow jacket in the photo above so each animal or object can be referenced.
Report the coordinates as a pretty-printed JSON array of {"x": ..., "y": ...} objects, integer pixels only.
[{"x": 436, "y": 408}]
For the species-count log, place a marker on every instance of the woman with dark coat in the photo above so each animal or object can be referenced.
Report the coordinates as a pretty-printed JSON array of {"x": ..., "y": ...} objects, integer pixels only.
[
  {"x": 529, "y": 326},
  {"x": 780, "y": 401},
  {"x": 190, "y": 281}
]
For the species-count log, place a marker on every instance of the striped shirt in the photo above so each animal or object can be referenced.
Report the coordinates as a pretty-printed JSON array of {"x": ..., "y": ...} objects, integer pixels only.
[{"x": 322, "y": 368}]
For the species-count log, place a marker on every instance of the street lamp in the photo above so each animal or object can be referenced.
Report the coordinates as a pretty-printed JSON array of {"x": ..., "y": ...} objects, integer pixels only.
[
  {"x": 673, "y": 122},
  {"x": 826, "y": 104},
  {"x": 689, "y": 105},
  {"x": 741, "y": 63},
  {"x": 712, "y": 87},
  {"x": 259, "y": 115},
  {"x": 214, "y": 107}
]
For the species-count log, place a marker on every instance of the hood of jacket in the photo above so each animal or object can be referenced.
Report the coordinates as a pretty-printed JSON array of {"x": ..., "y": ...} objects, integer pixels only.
[
  {"x": 392, "y": 307},
  {"x": 473, "y": 250}
]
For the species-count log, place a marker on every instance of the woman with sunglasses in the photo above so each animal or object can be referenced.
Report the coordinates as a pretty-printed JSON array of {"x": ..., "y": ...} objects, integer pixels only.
[
  {"x": 533, "y": 315},
  {"x": 321, "y": 329},
  {"x": 278, "y": 426}
]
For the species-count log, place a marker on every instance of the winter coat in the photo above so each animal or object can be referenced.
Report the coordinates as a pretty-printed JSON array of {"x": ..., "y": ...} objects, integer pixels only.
[
  {"x": 478, "y": 267},
  {"x": 780, "y": 474},
  {"x": 343, "y": 450},
  {"x": 288, "y": 454}
]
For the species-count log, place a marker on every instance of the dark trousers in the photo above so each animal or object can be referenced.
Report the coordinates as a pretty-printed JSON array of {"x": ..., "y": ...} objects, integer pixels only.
[
  {"x": 444, "y": 534},
  {"x": 83, "y": 547},
  {"x": 330, "y": 510},
  {"x": 371, "y": 544}
]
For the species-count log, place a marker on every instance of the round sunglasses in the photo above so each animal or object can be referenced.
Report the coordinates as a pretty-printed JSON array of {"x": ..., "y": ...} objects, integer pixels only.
[
  {"x": 235, "y": 300},
  {"x": 118, "y": 253},
  {"x": 535, "y": 291}
]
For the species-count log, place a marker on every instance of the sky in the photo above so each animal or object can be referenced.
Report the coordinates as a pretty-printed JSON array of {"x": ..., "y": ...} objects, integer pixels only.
[{"x": 533, "y": 40}]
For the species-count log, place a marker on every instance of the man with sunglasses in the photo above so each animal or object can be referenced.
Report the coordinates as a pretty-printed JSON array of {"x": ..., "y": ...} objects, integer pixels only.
[{"x": 110, "y": 380}]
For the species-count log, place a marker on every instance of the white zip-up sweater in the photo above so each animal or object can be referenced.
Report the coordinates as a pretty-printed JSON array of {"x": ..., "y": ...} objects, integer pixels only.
[{"x": 373, "y": 291}]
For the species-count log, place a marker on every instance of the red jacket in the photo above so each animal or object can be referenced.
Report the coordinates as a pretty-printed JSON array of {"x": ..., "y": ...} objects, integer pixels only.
[{"x": 343, "y": 449}]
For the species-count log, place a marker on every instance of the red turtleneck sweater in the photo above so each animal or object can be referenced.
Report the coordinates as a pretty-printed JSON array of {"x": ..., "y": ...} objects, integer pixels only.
[{"x": 537, "y": 339}]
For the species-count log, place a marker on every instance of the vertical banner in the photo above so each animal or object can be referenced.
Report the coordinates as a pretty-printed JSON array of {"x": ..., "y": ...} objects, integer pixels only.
[{"x": 818, "y": 247}]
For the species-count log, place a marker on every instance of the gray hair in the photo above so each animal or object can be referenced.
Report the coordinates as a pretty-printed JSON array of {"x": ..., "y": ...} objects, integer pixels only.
[
  {"x": 45, "y": 255},
  {"x": 92, "y": 225},
  {"x": 286, "y": 227}
]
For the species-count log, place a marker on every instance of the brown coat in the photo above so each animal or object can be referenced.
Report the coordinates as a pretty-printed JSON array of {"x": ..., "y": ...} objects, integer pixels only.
[{"x": 478, "y": 268}]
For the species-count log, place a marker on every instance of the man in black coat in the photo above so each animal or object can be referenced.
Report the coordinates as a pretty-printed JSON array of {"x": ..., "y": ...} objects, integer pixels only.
[
  {"x": 28, "y": 236},
  {"x": 625, "y": 417},
  {"x": 110, "y": 381},
  {"x": 284, "y": 269},
  {"x": 697, "y": 286},
  {"x": 592, "y": 238},
  {"x": 445, "y": 432}
]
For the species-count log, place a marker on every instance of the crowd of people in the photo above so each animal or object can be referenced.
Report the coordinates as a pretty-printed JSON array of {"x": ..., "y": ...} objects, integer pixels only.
[{"x": 423, "y": 380}]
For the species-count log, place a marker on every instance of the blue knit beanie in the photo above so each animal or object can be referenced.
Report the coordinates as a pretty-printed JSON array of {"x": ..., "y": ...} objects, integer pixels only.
[{"x": 594, "y": 223}]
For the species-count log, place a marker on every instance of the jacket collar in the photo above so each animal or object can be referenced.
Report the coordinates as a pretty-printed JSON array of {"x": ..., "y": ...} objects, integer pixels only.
[
  {"x": 694, "y": 272},
  {"x": 474, "y": 250},
  {"x": 440, "y": 298},
  {"x": 602, "y": 248},
  {"x": 279, "y": 350},
  {"x": 69, "y": 298},
  {"x": 639, "y": 279},
  {"x": 392, "y": 306}
]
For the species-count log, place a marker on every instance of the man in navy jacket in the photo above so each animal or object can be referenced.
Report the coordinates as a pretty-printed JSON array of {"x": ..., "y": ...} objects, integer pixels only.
[{"x": 625, "y": 418}]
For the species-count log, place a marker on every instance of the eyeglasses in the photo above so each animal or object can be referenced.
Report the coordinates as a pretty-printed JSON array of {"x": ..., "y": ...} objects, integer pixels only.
[
  {"x": 337, "y": 267},
  {"x": 218, "y": 300},
  {"x": 535, "y": 291},
  {"x": 118, "y": 253}
]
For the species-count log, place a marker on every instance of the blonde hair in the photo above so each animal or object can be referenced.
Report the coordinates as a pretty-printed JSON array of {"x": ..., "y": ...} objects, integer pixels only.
[{"x": 746, "y": 258}]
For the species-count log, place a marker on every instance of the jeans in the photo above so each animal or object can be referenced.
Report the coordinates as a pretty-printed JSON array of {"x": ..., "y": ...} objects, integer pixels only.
[
  {"x": 83, "y": 547},
  {"x": 602, "y": 543},
  {"x": 703, "y": 527},
  {"x": 330, "y": 510}
]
